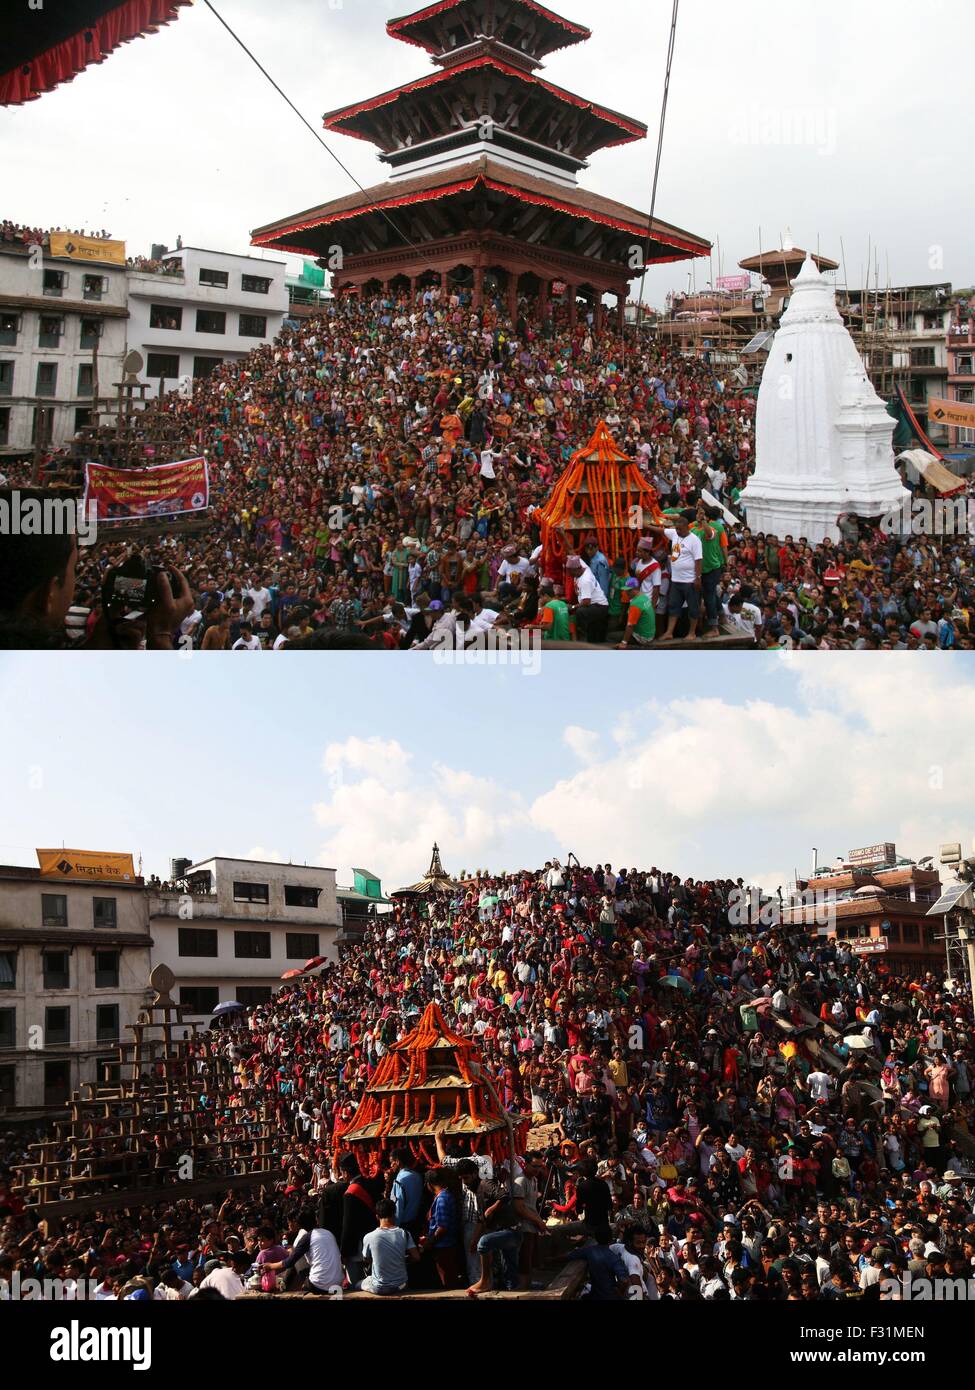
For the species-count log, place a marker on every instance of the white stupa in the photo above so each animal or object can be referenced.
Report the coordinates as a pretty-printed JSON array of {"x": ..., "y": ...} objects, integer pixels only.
[{"x": 824, "y": 439}]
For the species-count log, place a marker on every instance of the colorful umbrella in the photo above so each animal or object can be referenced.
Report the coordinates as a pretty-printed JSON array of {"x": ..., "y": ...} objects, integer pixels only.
[
  {"x": 313, "y": 964},
  {"x": 231, "y": 1007},
  {"x": 291, "y": 975}
]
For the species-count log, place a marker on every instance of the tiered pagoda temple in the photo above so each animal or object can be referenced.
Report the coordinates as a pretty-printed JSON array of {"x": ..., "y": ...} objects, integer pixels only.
[{"x": 483, "y": 158}]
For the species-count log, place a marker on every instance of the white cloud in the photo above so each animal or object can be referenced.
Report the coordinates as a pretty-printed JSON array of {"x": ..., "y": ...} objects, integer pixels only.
[
  {"x": 584, "y": 743},
  {"x": 384, "y": 808},
  {"x": 875, "y": 751},
  {"x": 375, "y": 757},
  {"x": 266, "y": 856}
]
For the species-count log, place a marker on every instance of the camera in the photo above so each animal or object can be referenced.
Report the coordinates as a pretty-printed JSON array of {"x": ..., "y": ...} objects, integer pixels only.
[{"x": 132, "y": 591}]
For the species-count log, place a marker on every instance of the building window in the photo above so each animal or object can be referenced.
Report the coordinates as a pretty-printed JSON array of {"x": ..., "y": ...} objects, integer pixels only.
[
  {"x": 54, "y": 910},
  {"x": 168, "y": 318},
  {"x": 86, "y": 378},
  {"x": 199, "y": 999},
  {"x": 57, "y": 1027},
  {"x": 42, "y": 423},
  {"x": 57, "y": 1083},
  {"x": 301, "y": 945},
  {"x": 252, "y": 945},
  {"x": 912, "y": 935},
  {"x": 163, "y": 365},
  {"x": 94, "y": 286},
  {"x": 91, "y": 332},
  {"x": 82, "y": 418},
  {"x": 6, "y": 378},
  {"x": 57, "y": 969},
  {"x": 8, "y": 1027},
  {"x": 47, "y": 378},
  {"x": 254, "y": 284},
  {"x": 106, "y": 1023},
  {"x": 923, "y": 357},
  {"x": 198, "y": 941},
  {"x": 5, "y": 425},
  {"x": 250, "y": 995},
  {"x": 8, "y": 969},
  {"x": 253, "y": 326},
  {"x": 51, "y": 331},
  {"x": 203, "y": 366},
  {"x": 9, "y": 329},
  {"x": 251, "y": 892},
  {"x": 297, "y": 896},
  {"x": 106, "y": 969},
  {"x": 55, "y": 283},
  {"x": 219, "y": 279},
  {"x": 211, "y": 321},
  {"x": 8, "y": 1088},
  {"x": 105, "y": 913}
]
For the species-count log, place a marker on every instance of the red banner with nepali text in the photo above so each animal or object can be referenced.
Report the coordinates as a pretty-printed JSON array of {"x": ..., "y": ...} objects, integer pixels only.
[{"x": 144, "y": 494}]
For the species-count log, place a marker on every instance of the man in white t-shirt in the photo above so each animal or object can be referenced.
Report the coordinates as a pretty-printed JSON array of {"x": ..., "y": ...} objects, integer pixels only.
[
  {"x": 686, "y": 564},
  {"x": 246, "y": 642},
  {"x": 631, "y": 1250},
  {"x": 488, "y": 459},
  {"x": 228, "y": 1278},
  {"x": 647, "y": 571},
  {"x": 743, "y": 617},
  {"x": 818, "y": 1083},
  {"x": 592, "y": 605},
  {"x": 260, "y": 595}
]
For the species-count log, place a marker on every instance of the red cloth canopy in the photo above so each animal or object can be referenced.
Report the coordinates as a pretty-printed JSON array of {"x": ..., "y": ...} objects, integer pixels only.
[{"x": 52, "y": 45}]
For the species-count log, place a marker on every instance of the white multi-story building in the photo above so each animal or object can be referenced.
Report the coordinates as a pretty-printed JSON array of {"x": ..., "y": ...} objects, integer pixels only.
[
  {"x": 200, "y": 309},
  {"x": 74, "y": 974},
  {"x": 238, "y": 926},
  {"x": 54, "y": 313}
]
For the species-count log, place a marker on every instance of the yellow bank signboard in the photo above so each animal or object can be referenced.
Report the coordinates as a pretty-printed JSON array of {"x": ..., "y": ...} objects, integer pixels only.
[
  {"x": 87, "y": 248},
  {"x": 83, "y": 864}
]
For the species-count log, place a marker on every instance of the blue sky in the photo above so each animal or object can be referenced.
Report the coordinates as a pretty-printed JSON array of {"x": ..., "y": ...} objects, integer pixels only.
[{"x": 727, "y": 766}]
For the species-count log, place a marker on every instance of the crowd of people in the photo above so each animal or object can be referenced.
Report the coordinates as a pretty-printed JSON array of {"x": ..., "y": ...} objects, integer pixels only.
[
  {"x": 22, "y": 235},
  {"x": 718, "y": 1112},
  {"x": 376, "y": 475}
]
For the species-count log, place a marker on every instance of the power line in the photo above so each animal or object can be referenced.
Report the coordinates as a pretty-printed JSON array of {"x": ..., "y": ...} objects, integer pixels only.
[
  {"x": 348, "y": 172},
  {"x": 660, "y": 148}
]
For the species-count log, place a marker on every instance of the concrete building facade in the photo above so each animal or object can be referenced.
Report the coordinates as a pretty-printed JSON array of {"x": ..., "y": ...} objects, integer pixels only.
[
  {"x": 74, "y": 971},
  {"x": 63, "y": 327},
  {"x": 961, "y": 375},
  {"x": 881, "y": 910},
  {"x": 202, "y": 308},
  {"x": 232, "y": 928}
]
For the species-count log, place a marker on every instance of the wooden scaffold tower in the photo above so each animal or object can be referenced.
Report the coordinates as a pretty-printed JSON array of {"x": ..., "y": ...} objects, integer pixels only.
[{"x": 163, "y": 1117}]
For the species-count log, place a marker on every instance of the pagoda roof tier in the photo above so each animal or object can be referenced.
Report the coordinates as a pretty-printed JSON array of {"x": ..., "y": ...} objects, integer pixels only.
[
  {"x": 419, "y": 1129},
  {"x": 781, "y": 267},
  {"x": 485, "y": 89},
  {"x": 404, "y": 214},
  {"x": 435, "y": 880},
  {"x": 521, "y": 24},
  {"x": 430, "y": 1082}
]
